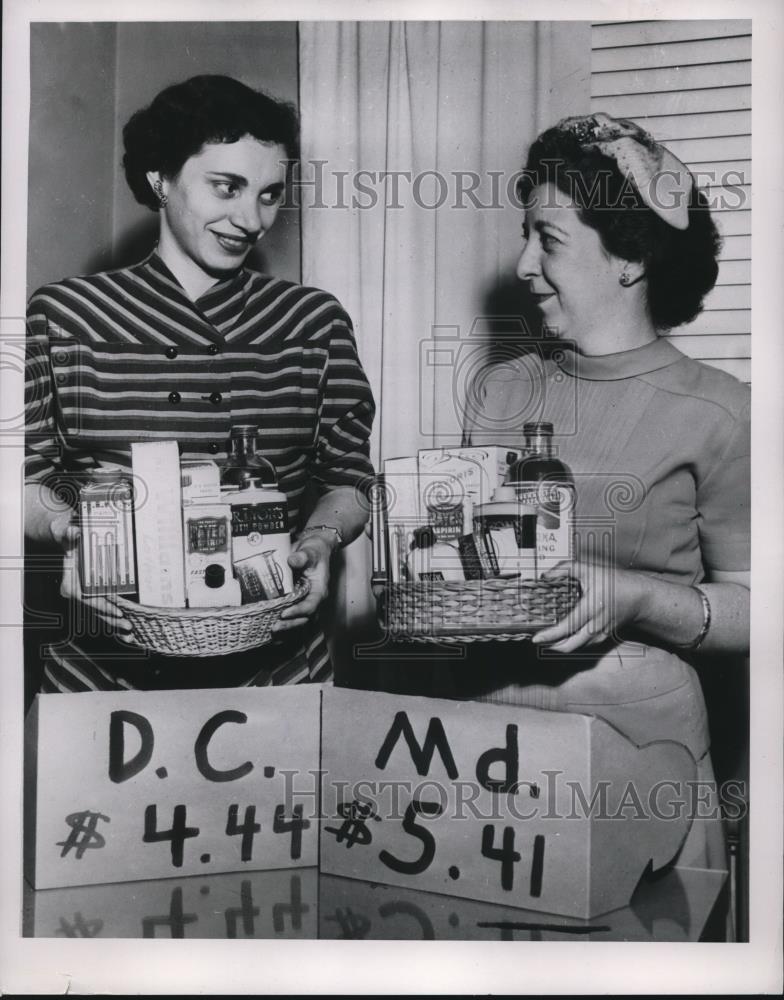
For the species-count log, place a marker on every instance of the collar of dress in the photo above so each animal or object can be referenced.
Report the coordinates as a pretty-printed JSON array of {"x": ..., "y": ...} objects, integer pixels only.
[
  {"x": 623, "y": 364},
  {"x": 222, "y": 289}
]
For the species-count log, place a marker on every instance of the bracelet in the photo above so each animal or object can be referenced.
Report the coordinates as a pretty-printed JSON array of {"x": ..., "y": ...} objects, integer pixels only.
[
  {"x": 323, "y": 527},
  {"x": 706, "y": 622}
]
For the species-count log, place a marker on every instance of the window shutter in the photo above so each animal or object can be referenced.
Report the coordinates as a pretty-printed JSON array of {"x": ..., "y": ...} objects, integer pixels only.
[{"x": 689, "y": 84}]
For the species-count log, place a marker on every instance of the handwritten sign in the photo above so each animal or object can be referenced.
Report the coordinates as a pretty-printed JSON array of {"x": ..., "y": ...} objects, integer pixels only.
[
  {"x": 272, "y": 904},
  {"x": 141, "y": 785},
  {"x": 551, "y": 812}
]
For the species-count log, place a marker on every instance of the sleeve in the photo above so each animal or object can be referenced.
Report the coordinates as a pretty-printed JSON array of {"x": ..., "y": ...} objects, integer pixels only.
[
  {"x": 42, "y": 452},
  {"x": 342, "y": 456},
  {"x": 49, "y": 459},
  {"x": 724, "y": 501}
]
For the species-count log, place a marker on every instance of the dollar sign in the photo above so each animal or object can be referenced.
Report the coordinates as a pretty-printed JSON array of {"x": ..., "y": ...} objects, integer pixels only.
[
  {"x": 353, "y": 829},
  {"x": 83, "y": 833},
  {"x": 355, "y": 832}
]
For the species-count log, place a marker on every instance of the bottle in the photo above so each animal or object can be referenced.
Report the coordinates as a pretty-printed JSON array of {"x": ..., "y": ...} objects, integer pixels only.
[
  {"x": 244, "y": 462},
  {"x": 260, "y": 539},
  {"x": 505, "y": 528},
  {"x": 214, "y": 589},
  {"x": 541, "y": 480}
]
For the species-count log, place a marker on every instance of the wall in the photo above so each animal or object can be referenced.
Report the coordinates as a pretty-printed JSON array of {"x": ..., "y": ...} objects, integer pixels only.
[
  {"x": 689, "y": 84},
  {"x": 71, "y": 167},
  {"x": 86, "y": 81}
]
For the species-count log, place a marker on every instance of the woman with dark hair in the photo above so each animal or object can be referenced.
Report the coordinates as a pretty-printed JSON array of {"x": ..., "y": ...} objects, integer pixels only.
[
  {"x": 619, "y": 247},
  {"x": 182, "y": 346}
]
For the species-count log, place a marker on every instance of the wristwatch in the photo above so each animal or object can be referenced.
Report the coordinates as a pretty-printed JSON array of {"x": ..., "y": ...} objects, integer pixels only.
[{"x": 323, "y": 527}]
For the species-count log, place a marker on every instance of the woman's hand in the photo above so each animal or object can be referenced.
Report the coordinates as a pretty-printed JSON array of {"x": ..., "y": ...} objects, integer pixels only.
[
  {"x": 66, "y": 535},
  {"x": 612, "y": 599},
  {"x": 310, "y": 558}
]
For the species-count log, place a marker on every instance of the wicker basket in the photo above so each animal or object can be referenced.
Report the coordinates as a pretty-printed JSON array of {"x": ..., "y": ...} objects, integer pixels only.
[
  {"x": 474, "y": 610},
  {"x": 206, "y": 631}
]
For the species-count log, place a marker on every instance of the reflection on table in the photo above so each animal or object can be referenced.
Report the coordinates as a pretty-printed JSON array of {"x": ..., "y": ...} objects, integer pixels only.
[{"x": 684, "y": 904}]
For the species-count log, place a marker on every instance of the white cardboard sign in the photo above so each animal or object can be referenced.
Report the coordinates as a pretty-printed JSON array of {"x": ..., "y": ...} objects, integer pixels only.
[
  {"x": 141, "y": 785},
  {"x": 548, "y": 811}
]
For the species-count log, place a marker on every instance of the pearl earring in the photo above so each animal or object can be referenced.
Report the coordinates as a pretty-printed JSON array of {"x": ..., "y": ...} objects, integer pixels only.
[{"x": 625, "y": 279}]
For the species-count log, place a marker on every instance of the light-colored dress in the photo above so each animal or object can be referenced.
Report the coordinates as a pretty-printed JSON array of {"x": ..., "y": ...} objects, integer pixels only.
[{"x": 659, "y": 448}]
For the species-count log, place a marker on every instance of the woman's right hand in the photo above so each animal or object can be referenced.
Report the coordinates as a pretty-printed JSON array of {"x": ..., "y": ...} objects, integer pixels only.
[{"x": 66, "y": 535}]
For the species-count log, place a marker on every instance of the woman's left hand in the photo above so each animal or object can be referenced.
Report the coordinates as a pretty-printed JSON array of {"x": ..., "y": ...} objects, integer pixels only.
[
  {"x": 611, "y": 600},
  {"x": 310, "y": 559}
]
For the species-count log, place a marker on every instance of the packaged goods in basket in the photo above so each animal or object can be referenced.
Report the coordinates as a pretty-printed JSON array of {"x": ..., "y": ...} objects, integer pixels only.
[
  {"x": 107, "y": 554},
  {"x": 206, "y": 559},
  {"x": 457, "y": 549}
]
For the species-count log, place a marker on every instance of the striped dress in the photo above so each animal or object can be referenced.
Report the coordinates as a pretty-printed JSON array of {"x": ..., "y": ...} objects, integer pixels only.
[{"x": 126, "y": 356}]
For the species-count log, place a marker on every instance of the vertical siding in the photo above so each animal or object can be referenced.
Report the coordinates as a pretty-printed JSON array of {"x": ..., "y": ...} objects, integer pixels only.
[{"x": 689, "y": 84}]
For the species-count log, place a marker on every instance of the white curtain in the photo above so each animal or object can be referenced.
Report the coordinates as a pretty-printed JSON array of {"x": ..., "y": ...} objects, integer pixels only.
[{"x": 446, "y": 110}]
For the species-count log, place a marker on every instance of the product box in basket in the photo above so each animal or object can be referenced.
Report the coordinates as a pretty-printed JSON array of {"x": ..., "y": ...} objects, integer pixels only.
[
  {"x": 200, "y": 481},
  {"x": 209, "y": 577},
  {"x": 453, "y": 480},
  {"x": 157, "y": 520}
]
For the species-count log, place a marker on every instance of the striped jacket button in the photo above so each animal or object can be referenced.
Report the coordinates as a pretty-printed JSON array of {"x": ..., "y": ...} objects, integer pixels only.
[
  {"x": 174, "y": 397},
  {"x": 172, "y": 352},
  {"x": 215, "y": 398}
]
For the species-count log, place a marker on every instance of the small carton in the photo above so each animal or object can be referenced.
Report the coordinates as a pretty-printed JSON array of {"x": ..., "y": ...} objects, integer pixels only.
[
  {"x": 106, "y": 547},
  {"x": 452, "y": 481},
  {"x": 158, "y": 524},
  {"x": 200, "y": 481},
  {"x": 207, "y": 531}
]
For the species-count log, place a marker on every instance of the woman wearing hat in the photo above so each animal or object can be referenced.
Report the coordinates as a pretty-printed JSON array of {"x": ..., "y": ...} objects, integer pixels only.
[
  {"x": 618, "y": 248},
  {"x": 183, "y": 346}
]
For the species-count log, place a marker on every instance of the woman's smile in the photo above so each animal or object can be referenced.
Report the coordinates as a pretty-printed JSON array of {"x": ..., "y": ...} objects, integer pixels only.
[
  {"x": 540, "y": 298},
  {"x": 235, "y": 245}
]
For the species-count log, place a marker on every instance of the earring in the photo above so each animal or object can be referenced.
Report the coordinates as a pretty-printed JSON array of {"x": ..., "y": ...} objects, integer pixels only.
[
  {"x": 163, "y": 199},
  {"x": 625, "y": 279}
]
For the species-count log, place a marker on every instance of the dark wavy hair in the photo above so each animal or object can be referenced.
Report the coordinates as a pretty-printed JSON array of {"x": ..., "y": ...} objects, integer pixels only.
[
  {"x": 680, "y": 265},
  {"x": 185, "y": 116}
]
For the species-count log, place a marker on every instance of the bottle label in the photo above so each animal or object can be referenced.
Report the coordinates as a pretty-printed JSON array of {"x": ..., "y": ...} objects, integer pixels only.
[
  {"x": 554, "y": 520},
  {"x": 261, "y": 546},
  {"x": 264, "y": 518},
  {"x": 207, "y": 534},
  {"x": 446, "y": 521}
]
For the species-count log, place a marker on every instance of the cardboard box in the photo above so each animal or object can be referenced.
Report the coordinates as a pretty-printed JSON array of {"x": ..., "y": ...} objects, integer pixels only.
[
  {"x": 200, "y": 481},
  {"x": 207, "y": 531},
  {"x": 453, "y": 480},
  {"x": 548, "y": 811},
  {"x": 132, "y": 785},
  {"x": 158, "y": 524}
]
